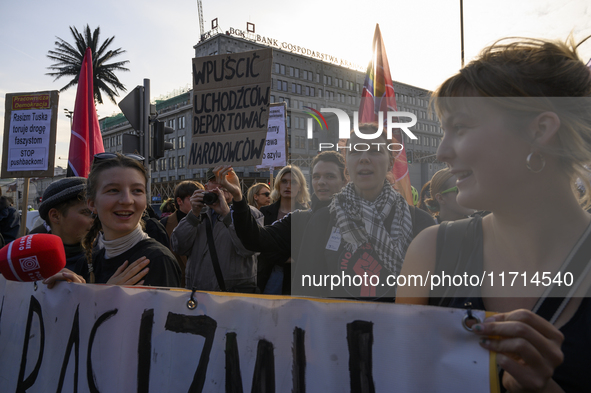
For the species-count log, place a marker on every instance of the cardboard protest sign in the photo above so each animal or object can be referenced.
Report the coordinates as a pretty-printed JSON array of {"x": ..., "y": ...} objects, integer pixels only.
[
  {"x": 91, "y": 338},
  {"x": 230, "y": 105},
  {"x": 275, "y": 154},
  {"x": 30, "y": 127}
]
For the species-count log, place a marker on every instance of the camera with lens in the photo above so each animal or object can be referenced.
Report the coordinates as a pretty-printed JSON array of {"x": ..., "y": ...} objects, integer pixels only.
[{"x": 209, "y": 198}]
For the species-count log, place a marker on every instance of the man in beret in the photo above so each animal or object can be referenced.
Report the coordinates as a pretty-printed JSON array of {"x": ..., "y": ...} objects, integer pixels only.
[{"x": 66, "y": 215}]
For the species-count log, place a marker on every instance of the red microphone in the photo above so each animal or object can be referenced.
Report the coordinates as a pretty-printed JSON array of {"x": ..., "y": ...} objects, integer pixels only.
[{"x": 32, "y": 257}]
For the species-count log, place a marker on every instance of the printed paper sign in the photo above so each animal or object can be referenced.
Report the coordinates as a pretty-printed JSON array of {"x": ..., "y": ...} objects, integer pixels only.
[
  {"x": 30, "y": 127},
  {"x": 275, "y": 147}
]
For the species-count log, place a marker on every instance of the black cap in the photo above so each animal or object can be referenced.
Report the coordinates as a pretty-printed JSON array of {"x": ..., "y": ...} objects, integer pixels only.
[
  {"x": 209, "y": 175},
  {"x": 61, "y": 191}
]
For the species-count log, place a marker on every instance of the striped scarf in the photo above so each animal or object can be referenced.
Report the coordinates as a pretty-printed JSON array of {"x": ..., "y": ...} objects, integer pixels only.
[{"x": 360, "y": 221}]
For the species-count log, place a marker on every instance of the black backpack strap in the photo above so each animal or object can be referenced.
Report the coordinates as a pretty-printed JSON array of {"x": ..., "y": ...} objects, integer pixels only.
[
  {"x": 214, "y": 254},
  {"x": 455, "y": 241},
  {"x": 577, "y": 264}
]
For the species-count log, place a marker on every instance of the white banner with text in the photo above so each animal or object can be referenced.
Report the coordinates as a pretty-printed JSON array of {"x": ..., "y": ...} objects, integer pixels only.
[{"x": 99, "y": 338}]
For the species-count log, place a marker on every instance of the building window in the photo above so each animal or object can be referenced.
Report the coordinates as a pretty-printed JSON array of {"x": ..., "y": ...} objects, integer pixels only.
[
  {"x": 171, "y": 140},
  {"x": 307, "y": 90},
  {"x": 312, "y": 92},
  {"x": 181, "y": 142},
  {"x": 297, "y": 73},
  {"x": 341, "y": 83},
  {"x": 182, "y": 122},
  {"x": 290, "y": 71},
  {"x": 299, "y": 90},
  {"x": 282, "y": 69},
  {"x": 293, "y": 88},
  {"x": 319, "y": 92},
  {"x": 317, "y": 78},
  {"x": 171, "y": 161},
  {"x": 304, "y": 74},
  {"x": 106, "y": 142},
  {"x": 162, "y": 166},
  {"x": 278, "y": 85},
  {"x": 277, "y": 68},
  {"x": 329, "y": 82},
  {"x": 324, "y": 79},
  {"x": 272, "y": 99},
  {"x": 288, "y": 120},
  {"x": 287, "y": 101},
  {"x": 284, "y": 86}
]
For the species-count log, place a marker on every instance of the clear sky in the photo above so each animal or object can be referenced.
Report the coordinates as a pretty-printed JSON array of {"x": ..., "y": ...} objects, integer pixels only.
[{"x": 422, "y": 37}]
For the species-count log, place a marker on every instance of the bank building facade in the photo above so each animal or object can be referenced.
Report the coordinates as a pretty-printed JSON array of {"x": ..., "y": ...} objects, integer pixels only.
[{"x": 301, "y": 78}]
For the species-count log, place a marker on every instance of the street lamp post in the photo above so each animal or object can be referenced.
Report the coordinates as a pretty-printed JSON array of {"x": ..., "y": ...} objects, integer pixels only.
[{"x": 69, "y": 115}]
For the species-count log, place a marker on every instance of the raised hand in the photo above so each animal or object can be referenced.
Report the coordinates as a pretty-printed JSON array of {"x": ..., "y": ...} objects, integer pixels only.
[{"x": 226, "y": 177}]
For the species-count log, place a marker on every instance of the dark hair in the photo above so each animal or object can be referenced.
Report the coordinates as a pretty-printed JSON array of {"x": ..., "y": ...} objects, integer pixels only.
[
  {"x": 514, "y": 68},
  {"x": 168, "y": 206},
  {"x": 64, "y": 207},
  {"x": 186, "y": 188},
  {"x": 99, "y": 166},
  {"x": 330, "y": 156}
]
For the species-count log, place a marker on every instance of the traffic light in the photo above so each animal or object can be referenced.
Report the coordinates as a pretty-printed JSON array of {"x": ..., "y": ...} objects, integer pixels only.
[
  {"x": 409, "y": 156},
  {"x": 158, "y": 143}
]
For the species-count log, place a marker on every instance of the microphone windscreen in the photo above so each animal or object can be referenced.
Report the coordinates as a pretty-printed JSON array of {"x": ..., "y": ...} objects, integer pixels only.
[{"x": 32, "y": 257}]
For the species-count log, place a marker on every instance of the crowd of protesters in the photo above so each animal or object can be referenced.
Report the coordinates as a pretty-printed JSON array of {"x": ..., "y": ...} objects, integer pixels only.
[{"x": 510, "y": 150}]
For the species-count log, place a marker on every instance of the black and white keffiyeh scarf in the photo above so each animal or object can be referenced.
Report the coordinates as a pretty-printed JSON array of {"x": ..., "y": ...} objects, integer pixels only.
[{"x": 360, "y": 221}]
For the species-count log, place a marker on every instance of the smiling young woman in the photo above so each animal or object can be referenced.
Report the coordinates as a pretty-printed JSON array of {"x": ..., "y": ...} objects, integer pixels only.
[
  {"x": 517, "y": 137},
  {"x": 116, "y": 194}
]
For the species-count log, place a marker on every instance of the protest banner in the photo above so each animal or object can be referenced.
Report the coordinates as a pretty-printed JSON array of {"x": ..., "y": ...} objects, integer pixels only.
[
  {"x": 230, "y": 104},
  {"x": 30, "y": 127},
  {"x": 100, "y": 338},
  {"x": 275, "y": 154}
]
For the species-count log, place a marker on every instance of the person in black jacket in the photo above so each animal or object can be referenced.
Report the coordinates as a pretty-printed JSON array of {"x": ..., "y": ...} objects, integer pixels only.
[
  {"x": 9, "y": 221},
  {"x": 66, "y": 215},
  {"x": 116, "y": 194},
  {"x": 363, "y": 233},
  {"x": 290, "y": 192}
]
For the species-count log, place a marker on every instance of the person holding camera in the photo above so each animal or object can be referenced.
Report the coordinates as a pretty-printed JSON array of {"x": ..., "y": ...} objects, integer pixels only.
[{"x": 217, "y": 260}]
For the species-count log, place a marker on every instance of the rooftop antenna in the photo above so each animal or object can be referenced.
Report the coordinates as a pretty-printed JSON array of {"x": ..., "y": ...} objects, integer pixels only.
[{"x": 200, "y": 9}]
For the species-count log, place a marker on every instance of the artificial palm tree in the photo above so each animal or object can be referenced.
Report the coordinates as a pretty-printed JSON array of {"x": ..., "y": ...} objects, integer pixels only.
[{"x": 69, "y": 60}]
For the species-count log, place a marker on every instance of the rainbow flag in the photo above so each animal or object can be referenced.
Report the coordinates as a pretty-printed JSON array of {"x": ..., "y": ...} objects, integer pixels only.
[{"x": 378, "y": 95}]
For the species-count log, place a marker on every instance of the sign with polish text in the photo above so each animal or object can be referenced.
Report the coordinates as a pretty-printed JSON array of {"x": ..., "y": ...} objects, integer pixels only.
[
  {"x": 30, "y": 126},
  {"x": 231, "y": 96}
]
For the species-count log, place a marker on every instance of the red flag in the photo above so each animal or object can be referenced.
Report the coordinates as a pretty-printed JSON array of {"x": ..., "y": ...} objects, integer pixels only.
[
  {"x": 86, "y": 139},
  {"x": 378, "y": 95}
]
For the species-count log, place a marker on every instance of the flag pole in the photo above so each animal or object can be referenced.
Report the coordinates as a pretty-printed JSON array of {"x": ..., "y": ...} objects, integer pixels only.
[{"x": 462, "y": 30}]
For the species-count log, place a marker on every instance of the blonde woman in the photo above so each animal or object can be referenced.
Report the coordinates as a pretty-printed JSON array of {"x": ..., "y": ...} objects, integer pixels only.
[
  {"x": 443, "y": 204},
  {"x": 259, "y": 195},
  {"x": 290, "y": 192}
]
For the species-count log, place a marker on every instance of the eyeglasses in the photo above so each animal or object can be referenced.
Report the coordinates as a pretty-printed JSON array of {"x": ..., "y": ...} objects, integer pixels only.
[
  {"x": 107, "y": 155},
  {"x": 265, "y": 193},
  {"x": 453, "y": 189}
]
